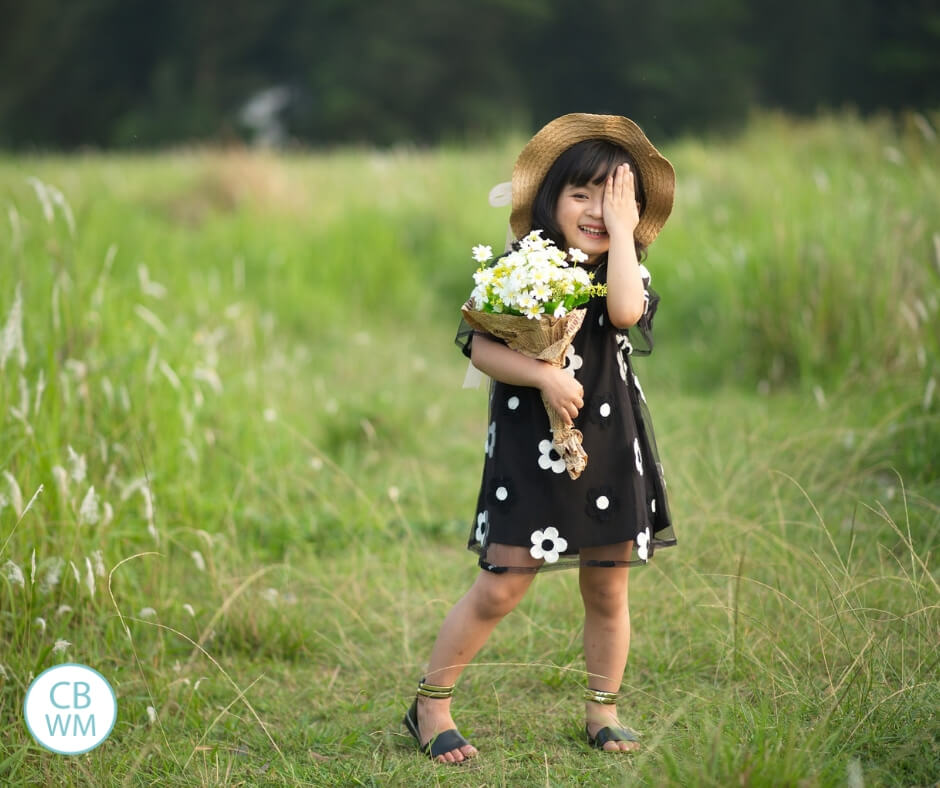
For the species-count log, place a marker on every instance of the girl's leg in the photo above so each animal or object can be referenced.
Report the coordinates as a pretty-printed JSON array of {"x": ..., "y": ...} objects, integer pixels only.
[
  {"x": 606, "y": 632},
  {"x": 463, "y": 633}
]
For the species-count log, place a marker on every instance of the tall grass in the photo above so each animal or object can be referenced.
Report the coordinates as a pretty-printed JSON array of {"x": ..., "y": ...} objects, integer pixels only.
[{"x": 236, "y": 468}]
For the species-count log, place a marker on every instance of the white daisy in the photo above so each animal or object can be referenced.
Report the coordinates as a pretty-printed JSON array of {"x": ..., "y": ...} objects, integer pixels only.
[
  {"x": 573, "y": 361},
  {"x": 484, "y": 276},
  {"x": 547, "y": 544},
  {"x": 642, "y": 544},
  {"x": 490, "y": 440},
  {"x": 577, "y": 256},
  {"x": 483, "y": 525},
  {"x": 482, "y": 253},
  {"x": 638, "y": 456},
  {"x": 546, "y": 448},
  {"x": 623, "y": 343}
]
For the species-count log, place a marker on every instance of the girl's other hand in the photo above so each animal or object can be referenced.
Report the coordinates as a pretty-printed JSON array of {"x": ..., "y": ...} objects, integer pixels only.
[
  {"x": 621, "y": 210},
  {"x": 562, "y": 391}
]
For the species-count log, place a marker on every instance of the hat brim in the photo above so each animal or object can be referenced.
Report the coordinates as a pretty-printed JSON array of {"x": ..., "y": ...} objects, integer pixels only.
[{"x": 541, "y": 152}]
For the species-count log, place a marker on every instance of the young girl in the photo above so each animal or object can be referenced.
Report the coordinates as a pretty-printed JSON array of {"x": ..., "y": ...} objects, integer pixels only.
[{"x": 596, "y": 183}]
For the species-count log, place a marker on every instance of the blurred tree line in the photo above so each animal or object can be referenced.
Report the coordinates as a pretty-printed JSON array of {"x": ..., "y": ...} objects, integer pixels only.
[{"x": 136, "y": 73}]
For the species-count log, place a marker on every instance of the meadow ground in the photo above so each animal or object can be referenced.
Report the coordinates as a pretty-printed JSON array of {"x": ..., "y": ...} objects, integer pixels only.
[{"x": 238, "y": 468}]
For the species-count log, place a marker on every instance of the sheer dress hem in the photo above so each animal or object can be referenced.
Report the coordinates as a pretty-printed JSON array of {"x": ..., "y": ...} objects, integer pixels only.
[{"x": 565, "y": 561}]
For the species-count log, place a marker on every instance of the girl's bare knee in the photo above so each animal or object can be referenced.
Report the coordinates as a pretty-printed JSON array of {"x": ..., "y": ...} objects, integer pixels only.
[
  {"x": 496, "y": 595},
  {"x": 607, "y": 598}
]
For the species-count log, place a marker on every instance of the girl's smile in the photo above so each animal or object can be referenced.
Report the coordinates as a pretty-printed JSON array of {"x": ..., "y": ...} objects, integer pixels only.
[{"x": 580, "y": 217}]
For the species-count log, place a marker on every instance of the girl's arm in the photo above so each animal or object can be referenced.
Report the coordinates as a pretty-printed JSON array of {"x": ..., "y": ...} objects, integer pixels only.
[
  {"x": 504, "y": 364},
  {"x": 625, "y": 300}
]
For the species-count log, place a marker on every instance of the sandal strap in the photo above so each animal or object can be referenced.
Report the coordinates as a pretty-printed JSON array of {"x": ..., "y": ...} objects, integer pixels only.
[
  {"x": 445, "y": 741},
  {"x": 435, "y": 690},
  {"x": 600, "y": 696},
  {"x": 608, "y": 733}
]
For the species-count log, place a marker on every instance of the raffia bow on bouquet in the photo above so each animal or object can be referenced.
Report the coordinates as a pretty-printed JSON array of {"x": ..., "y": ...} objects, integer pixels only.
[{"x": 528, "y": 299}]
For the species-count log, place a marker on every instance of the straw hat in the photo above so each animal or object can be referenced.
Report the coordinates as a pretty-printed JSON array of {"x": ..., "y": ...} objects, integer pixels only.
[{"x": 540, "y": 153}]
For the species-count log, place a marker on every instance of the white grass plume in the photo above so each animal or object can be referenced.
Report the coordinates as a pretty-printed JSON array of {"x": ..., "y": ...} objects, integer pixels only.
[
  {"x": 59, "y": 199},
  {"x": 43, "y": 196},
  {"x": 89, "y": 512},
  {"x": 170, "y": 374},
  {"x": 14, "y": 574},
  {"x": 61, "y": 477},
  {"x": 89, "y": 577},
  {"x": 108, "y": 390},
  {"x": 52, "y": 575},
  {"x": 150, "y": 319},
  {"x": 11, "y": 338},
  {"x": 77, "y": 465},
  {"x": 147, "y": 285},
  {"x": 16, "y": 495},
  {"x": 40, "y": 388}
]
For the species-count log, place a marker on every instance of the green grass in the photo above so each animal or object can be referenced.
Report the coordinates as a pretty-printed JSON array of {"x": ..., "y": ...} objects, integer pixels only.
[{"x": 282, "y": 381}]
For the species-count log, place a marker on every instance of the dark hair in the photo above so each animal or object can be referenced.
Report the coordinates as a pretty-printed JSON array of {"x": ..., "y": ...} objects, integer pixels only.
[{"x": 590, "y": 160}]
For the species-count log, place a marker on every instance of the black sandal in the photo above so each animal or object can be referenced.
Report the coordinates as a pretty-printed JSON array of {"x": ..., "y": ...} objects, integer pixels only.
[
  {"x": 445, "y": 741},
  {"x": 607, "y": 733}
]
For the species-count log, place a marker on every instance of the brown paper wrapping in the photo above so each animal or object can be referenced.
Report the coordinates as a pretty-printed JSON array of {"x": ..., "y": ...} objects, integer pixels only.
[{"x": 546, "y": 339}]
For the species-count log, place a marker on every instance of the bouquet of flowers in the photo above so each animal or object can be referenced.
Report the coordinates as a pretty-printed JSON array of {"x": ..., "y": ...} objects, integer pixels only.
[{"x": 529, "y": 299}]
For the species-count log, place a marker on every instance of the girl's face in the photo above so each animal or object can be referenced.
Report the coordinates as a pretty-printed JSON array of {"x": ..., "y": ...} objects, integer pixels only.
[{"x": 579, "y": 214}]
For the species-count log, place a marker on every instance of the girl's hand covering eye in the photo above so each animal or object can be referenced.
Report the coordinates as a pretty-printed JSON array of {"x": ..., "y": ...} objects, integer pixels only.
[{"x": 621, "y": 214}]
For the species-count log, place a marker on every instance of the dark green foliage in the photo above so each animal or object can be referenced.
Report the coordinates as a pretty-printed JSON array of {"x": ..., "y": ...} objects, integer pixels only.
[{"x": 128, "y": 73}]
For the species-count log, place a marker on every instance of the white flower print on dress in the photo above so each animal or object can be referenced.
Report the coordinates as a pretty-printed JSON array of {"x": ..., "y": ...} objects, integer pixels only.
[
  {"x": 642, "y": 545},
  {"x": 638, "y": 456},
  {"x": 624, "y": 346},
  {"x": 547, "y": 544},
  {"x": 546, "y": 448},
  {"x": 490, "y": 440},
  {"x": 483, "y": 526},
  {"x": 512, "y": 403},
  {"x": 653, "y": 506},
  {"x": 639, "y": 388},
  {"x": 573, "y": 361}
]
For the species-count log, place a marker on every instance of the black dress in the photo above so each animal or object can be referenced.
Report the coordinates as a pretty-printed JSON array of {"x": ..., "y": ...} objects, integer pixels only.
[{"x": 526, "y": 496}]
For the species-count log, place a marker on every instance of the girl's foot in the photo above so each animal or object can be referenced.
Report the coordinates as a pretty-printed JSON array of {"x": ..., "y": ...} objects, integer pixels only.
[
  {"x": 434, "y": 718},
  {"x": 602, "y": 720}
]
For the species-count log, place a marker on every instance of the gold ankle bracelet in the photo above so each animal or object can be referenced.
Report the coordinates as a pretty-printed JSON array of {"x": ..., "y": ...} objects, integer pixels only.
[
  {"x": 435, "y": 690},
  {"x": 599, "y": 696}
]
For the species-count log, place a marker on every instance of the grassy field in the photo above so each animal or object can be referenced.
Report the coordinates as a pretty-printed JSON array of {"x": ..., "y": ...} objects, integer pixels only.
[{"x": 237, "y": 468}]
